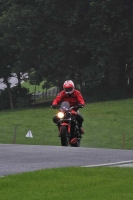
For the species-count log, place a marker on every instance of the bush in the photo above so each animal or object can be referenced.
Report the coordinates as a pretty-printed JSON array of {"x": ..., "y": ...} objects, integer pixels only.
[
  {"x": 21, "y": 99},
  {"x": 4, "y": 100}
]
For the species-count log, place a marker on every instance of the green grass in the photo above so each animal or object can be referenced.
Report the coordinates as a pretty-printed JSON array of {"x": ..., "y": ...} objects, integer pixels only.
[
  {"x": 102, "y": 183},
  {"x": 32, "y": 87},
  {"x": 107, "y": 125}
]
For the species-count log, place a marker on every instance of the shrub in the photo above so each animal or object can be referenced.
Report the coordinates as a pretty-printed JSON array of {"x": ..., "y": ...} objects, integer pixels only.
[{"x": 21, "y": 99}]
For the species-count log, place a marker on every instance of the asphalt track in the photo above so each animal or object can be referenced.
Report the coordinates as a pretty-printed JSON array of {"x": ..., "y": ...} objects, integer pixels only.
[{"x": 22, "y": 158}]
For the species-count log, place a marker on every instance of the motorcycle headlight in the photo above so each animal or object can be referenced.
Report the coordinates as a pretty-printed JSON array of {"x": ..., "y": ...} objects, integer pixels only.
[{"x": 60, "y": 115}]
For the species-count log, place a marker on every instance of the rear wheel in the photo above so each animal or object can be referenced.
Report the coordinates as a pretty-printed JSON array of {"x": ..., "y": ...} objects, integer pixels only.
[
  {"x": 64, "y": 137},
  {"x": 77, "y": 135}
]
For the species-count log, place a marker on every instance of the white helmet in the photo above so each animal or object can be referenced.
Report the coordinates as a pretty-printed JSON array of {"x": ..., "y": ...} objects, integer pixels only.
[{"x": 68, "y": 86}]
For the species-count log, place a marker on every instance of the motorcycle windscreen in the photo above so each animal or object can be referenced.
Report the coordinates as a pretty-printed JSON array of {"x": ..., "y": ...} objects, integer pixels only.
[{"x": 65, "y": 106}]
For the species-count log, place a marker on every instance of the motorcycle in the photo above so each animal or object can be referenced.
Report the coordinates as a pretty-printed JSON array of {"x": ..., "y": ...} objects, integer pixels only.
[{"x": 68, "y": 127}]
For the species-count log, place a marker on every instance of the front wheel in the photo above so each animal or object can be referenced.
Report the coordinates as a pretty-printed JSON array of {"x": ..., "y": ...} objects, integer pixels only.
[{"x": 64, "y": 137}]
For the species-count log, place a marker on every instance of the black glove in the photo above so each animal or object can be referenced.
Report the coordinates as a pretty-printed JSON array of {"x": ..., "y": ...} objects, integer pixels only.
[
  {"x": 54, "y": 106},
  {"x": 80, "y": 106}
]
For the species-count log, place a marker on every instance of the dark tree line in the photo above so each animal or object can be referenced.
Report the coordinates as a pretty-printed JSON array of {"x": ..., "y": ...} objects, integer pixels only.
[{"x": 90, "y": 42}]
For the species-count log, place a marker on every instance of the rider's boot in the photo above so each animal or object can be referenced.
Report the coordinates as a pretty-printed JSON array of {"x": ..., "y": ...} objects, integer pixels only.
[{"x": 81, "y": 130}]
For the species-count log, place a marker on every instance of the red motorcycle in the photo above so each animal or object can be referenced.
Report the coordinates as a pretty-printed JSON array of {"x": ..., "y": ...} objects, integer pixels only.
[{"x": 68, "y": 127}]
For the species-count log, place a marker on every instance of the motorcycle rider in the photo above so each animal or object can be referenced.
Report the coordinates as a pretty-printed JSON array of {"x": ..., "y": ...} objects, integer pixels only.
[{"x": 74, "y": 97}]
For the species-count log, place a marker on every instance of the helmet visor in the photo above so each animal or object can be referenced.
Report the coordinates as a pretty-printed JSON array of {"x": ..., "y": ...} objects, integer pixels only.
[{"x": 70, "y": 89}]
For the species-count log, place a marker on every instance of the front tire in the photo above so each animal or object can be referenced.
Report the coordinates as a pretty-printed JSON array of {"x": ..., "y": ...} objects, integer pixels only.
[{"x": 64, "y": 137}]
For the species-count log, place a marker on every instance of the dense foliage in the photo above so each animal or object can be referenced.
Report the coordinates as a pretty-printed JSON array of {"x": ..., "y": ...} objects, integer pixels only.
[
  {"x": 20, "y": 99},
  {"x": 90, "y": 42}
]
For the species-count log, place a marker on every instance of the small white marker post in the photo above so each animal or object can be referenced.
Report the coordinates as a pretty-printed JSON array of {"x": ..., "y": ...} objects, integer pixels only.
[{"x": 29, "y": 134}]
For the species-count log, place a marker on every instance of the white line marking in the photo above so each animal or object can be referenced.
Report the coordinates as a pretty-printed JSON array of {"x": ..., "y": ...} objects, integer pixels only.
[{"x": 108, "y": 164}]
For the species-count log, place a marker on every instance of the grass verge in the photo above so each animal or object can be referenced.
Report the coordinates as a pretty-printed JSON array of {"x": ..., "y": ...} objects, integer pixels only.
[{"x": 102, "y": 183}]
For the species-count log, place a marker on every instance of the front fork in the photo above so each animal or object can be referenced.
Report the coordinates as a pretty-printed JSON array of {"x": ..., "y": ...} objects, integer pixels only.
[{"x": 65, "y": 124}]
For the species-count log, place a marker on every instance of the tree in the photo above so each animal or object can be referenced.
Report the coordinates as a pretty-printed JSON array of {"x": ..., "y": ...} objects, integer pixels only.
[{"x": 89, "y": 42}]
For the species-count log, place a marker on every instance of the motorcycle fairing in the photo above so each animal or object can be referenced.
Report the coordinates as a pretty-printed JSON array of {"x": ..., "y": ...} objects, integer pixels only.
[
  {"x": 73, "y": 112},
  {"x": 73, "y": 141}
]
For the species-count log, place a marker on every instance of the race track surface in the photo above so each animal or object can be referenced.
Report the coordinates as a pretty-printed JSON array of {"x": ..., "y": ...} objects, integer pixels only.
[{"x": 23, "y": 158}]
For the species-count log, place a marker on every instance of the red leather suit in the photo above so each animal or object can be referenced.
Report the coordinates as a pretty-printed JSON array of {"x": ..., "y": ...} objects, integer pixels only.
[{"x": 74, "y": 99}]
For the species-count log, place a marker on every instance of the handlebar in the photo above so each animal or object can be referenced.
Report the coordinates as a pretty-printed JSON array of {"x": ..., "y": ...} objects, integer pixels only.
[{"x": 71, "y": 108}]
